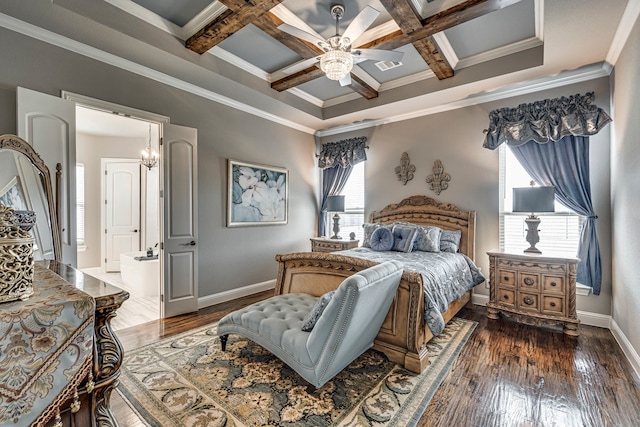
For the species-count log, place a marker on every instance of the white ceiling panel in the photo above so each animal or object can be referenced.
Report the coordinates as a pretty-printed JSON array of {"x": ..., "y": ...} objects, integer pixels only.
[
  {"x": 325, "y": 89},
  {"x": 412, "y": 63},
  {"x": 178, "y": 12}
]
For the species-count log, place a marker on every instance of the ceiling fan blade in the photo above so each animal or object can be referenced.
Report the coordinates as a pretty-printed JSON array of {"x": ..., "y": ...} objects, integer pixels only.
[
  {"x": 360, "y": 55},
  {"x": 346, "y": 80},
  {"x": 299, "y": 66},
  {"x": 314, "y": 39},
  {"x": 360, "y": 23}
]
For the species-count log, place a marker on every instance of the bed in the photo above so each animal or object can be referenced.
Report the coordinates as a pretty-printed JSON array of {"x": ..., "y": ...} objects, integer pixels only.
[{"x": 404, "y": 333}]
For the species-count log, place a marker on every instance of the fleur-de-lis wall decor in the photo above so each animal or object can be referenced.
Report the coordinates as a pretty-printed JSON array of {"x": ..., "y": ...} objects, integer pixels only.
[
  {"x": 405, "y": 171},
  {"x": 438, "y": 182}
]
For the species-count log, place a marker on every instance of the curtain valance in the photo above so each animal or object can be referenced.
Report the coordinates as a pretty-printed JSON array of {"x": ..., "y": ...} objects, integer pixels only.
[
  {"x": 544, "y": 121},
  {"x": 347, "y": 152}
]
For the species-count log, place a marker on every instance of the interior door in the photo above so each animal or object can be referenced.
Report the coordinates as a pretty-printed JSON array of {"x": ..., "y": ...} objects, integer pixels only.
[
  {"x": 121, "y": 210},
  {"x": 48, "y": 123},
  {"x": 179, "y": 185}
]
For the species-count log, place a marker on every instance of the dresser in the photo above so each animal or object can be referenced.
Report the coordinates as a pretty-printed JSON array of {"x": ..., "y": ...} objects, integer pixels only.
[
  {"x": 537, "y": 289},
  {"x": 323, "y": 244}
]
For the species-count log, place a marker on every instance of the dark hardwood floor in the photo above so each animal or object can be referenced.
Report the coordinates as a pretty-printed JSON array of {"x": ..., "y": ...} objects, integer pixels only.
[{"x": 508, "y": 374}]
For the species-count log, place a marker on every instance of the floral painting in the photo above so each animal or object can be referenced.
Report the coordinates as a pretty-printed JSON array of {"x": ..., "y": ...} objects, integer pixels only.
[
  {"x": 11, "y": 195},
  {"x": 257, "y": 194}
]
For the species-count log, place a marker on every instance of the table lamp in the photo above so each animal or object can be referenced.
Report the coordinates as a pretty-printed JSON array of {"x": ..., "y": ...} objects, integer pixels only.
[
  {"x": 533, "y": 200},
  {"x": 335, "y": 204}
]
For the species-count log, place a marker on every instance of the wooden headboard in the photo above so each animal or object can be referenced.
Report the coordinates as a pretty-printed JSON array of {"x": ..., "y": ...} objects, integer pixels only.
[{"x": 423, "y": 210}]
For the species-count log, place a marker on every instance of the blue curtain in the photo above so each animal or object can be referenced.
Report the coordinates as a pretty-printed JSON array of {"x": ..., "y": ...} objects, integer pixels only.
[
  {"x": 564, "y": 164},
  {"x": 333, "y": 181}
]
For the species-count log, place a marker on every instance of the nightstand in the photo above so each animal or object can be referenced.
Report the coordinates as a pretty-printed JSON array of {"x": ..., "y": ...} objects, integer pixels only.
[
  {"x": 323, "y": 244},
  {"x": 534, "y": 289}
]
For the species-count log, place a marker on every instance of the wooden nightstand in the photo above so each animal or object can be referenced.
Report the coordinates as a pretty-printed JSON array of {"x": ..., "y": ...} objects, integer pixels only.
[
  {"x": 323, "y": 244},
  {"x": 534, "y": 289}
]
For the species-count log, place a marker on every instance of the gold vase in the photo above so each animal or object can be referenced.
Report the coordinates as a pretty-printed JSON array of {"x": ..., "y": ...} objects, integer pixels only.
[{"x": 16, "y": 259}]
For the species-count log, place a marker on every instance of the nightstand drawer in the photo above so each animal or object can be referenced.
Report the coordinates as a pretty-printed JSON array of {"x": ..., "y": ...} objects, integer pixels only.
[
  {"x": 507, "y": 278},
  {"x": 528, "y": 301},
  {"x": 320, "y": 244},
  {"x": 552, "y": 304},
  {"x": 553, "y": 284},
  {"x": 506, "y": 297},
  {"x": 529, "y": 282}
]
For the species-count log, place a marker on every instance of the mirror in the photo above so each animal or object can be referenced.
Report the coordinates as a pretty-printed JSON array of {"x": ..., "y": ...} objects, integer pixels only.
[{"x": 25, "y": 185}]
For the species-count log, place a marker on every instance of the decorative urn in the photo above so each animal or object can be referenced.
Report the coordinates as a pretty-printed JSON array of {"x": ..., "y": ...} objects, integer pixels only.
[{"x": 16, "y": 259}]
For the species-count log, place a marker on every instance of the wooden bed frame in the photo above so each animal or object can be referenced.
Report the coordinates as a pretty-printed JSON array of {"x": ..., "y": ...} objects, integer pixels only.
[{"x": 404, "y": 333}]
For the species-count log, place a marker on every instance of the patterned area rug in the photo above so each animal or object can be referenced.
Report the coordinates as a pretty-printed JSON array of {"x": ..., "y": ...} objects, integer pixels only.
[{"x": 187, "y": 380}]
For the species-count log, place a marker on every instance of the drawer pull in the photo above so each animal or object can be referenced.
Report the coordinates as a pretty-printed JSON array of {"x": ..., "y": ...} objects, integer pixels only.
[
  {"x": 528, "y": 281},
  {"x": 506, "y": 297},
  {"x": 528, "y": 300},
  {"x": 554, "y": 284},
  {"x": 506, "y": 278},
  {"x": 553, "y": 304}
]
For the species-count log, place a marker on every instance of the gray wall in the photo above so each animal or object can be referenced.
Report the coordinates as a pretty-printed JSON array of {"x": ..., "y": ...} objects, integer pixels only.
[
  {"x": 228, "y": 257},
  {"x": 625, "y": 197},
  {"x": 455, "y": 137}
]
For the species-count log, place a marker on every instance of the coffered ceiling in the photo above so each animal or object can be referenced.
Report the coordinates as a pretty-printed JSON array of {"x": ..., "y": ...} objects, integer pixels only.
[{"x": 455, "y": 52}]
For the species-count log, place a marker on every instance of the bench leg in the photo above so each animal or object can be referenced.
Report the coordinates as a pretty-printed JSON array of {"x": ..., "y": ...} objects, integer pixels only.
[{"x": 223, "y": 342}]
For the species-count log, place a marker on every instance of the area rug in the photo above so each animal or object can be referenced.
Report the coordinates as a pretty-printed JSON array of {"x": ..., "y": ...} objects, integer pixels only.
[{"x": 186, "y": 380}]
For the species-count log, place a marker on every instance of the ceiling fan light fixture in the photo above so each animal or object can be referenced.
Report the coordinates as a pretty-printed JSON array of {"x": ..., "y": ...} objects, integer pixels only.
[{"x": 336, "y": 64}]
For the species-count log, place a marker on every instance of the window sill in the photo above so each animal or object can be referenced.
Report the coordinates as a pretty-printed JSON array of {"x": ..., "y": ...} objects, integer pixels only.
[{"x": 582, "y": 290}]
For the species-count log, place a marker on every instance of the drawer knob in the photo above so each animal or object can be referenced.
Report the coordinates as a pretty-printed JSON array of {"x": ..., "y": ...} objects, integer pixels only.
[
  {"x": 553, "y": 304},
  {"x": 506, "y": 297},
  {"x": 528, "y": 300},
  {"x": 505, "y": 278},
  {"x": 554, "y": 284},
  {"x": 528, "y": 281}
]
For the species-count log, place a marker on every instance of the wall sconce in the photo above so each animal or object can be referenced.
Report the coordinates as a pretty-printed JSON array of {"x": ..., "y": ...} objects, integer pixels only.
[
  {"x": 335, "y": 204},
  {"x": 149, "y": 155},
  {"x": 533, "y": 200}
]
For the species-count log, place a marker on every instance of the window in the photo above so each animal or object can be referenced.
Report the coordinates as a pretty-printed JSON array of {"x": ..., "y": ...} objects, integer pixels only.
[
  {"x": 352, "y": 219},
  {"x": 559, "y": 231},
  {"x": 80, "y": 202}
]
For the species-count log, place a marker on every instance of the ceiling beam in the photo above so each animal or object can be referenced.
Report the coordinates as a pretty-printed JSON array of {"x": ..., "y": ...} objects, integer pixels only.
[
  {"x": 446, "y": 19},
  {"x": 360, "y": 86},
  {"x": 269, "y": 24},
  {"x": 409, "y": 21},
  {"x": 228, "y": 23}
]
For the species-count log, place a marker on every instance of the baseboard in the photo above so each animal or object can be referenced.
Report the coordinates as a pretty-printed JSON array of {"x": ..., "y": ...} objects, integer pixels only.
[
  {"x": 225, "y": 296},
  {"x": 627, "y": 348},
  {"x": 586, "y": 317}
]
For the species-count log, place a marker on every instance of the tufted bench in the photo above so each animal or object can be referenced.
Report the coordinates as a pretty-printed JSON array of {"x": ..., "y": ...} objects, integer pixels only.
[{"x": 344, "y": 330}]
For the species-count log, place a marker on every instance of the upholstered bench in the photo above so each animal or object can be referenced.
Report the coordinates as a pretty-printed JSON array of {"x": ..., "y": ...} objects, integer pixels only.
[{"x": 340, "y": 325}]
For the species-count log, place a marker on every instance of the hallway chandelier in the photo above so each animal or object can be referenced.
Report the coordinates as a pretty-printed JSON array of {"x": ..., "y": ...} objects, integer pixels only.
[{"x": 149, "y": 155}]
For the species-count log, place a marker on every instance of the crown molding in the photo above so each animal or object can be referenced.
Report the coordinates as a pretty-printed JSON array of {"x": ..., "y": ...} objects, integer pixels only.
[
  {"x": 407, "y": 80},
  {"x": 232, "y": 59},
  {"x": 341, "y": 99},
  {"x": 499, "y": 52},
  {"x": 590, "y": 72},
  {"x": 206, "y": 15},
  {"x": 306, "y": 96},
  {"x": 538, "y": 13},
  {"x": 148, "y": 16},
  {"x": 629, "y": 18},
  {"x": 446, "y": 49}
]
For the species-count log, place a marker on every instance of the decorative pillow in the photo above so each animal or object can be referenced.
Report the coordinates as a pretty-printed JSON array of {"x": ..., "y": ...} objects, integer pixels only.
[
  {"x": 316, "y": 311},
  {"x": 403, "y": 237},
  {"x": 450, "y": 240},
  {"x": 427, "y": 239},
  {"x": 382, "y": 239},
  {"x": 368, "y": 232}
]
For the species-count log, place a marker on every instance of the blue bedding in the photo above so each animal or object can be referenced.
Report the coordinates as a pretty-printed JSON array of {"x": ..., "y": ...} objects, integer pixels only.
[{"x": 446, "y": 277}]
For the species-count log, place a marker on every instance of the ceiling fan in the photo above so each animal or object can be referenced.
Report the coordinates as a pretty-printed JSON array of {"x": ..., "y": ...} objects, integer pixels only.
[{"x": 339, "y": 57}]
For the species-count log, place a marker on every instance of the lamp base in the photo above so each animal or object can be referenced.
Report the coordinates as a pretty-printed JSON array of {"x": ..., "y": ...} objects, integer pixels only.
[
  {"x": 336, "y": 227},
  {"x": 532, "y": 222}
]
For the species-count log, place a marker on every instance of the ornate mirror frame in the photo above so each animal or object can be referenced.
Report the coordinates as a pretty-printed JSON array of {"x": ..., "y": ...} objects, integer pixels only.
[{"x": 15, "y": 143}]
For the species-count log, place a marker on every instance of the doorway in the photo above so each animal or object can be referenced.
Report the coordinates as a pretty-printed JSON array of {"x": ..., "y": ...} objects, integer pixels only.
[{"x": 118, "y": 213}]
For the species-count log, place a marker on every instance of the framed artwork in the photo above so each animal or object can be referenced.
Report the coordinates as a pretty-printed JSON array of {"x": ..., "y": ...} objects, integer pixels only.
[
  {"x": 256, "y": 194},
  {"x": 11, "y": 195}
]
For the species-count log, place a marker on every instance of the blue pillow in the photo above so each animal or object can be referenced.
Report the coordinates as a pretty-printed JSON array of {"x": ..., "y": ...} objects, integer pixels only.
[
  {"x": 427, "y": 239},
  {"x": 382, "y": 239},
  {"x": 316, "y": 311},
  {"x": 450, "y": 240},
  {"x": 403, "y": 237}
]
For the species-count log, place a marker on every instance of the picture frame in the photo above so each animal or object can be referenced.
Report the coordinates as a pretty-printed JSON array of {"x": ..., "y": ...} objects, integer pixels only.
[
  {"x": 12, "y": 195},
  {"x": 256, "y": 194}
]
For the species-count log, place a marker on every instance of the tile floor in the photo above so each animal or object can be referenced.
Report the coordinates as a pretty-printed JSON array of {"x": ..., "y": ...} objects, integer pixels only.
[{"x": 134, "y": 311}]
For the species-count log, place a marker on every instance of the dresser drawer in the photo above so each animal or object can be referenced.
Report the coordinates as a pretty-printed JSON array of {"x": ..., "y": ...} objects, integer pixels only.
[
  {"x": 553, "y": 284},
  {"x": 507, "y": 278},
  {"x": 506, "y": 297},
  {"x": 552, "y": 304},
  {"x": 529, "y": 302},
  {"x": 529, "y": 282}
]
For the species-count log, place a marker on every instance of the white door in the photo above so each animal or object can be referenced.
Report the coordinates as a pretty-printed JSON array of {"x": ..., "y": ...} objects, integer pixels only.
[
  {"x": 121, "y": 210},
  {"x": 179, "y": 260},
  {"x": 49, "y": 125}
]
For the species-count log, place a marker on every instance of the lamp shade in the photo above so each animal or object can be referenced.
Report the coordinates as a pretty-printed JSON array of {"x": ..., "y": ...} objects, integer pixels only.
[
  {"x": 533, "y": 199},
  {"x": 335, "y": 204}
]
